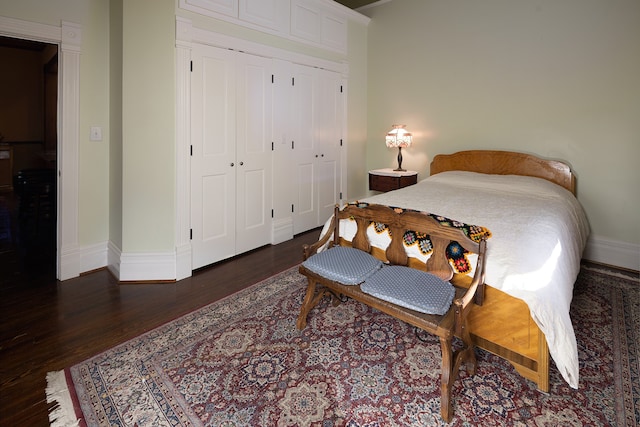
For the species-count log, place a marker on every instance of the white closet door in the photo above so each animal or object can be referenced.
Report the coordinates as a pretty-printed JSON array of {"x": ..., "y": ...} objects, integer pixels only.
[
  {"x": 213, "y": 171},
  {"x": 305, "y": 216},
  {"x": 253, "y": 152},
  {"x": 317, "y": 120},
  {"x": 328, "y": 136}
]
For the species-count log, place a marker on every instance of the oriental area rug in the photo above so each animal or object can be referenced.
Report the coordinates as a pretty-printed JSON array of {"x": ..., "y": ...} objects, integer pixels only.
[{"x": 242, "y": 362}]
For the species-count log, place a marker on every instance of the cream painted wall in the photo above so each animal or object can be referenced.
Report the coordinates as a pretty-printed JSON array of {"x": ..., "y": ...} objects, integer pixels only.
[
  {"x": 556, "y": 79},
  {"x": 115, "y": 122},
  {"x": 357, "y": 113},
  {"x": 148, "y": 126},
  {"x": 93, "y": 165}
]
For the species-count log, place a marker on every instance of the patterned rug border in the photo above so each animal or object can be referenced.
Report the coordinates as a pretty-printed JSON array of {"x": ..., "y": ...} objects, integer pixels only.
[
  {"x": 612, "y": 271},
  {"x": 626, "y": 364},
  {"x": 626, "y": 375}
]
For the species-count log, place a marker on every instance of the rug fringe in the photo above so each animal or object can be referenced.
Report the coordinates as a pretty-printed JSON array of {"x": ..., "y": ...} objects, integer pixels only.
[{"x": 62, "y": 413}]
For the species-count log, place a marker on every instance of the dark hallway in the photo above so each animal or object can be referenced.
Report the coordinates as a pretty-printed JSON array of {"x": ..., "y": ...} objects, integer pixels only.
[
  {"x": 28, "y": 230},
  {"x": 28, "y": 153}
]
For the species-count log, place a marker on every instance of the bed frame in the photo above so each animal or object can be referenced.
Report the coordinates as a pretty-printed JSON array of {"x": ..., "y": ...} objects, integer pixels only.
[{"x": 503, "y": 325}]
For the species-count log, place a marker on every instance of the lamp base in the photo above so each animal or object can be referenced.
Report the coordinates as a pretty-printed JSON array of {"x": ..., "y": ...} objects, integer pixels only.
[{"x": 399, "y": 168}]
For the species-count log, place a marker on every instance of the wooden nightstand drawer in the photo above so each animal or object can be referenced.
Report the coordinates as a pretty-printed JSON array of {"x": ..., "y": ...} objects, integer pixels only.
[{"x": 388, "y": 179}]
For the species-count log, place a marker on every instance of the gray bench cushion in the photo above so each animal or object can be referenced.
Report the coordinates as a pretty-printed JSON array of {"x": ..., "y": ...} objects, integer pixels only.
[
  {"x": 343, "y": 264},
  {"x": 411, "y": 288}
]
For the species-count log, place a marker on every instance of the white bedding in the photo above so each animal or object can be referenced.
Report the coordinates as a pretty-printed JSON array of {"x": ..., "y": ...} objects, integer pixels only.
[{"x": 539, "y": 231}]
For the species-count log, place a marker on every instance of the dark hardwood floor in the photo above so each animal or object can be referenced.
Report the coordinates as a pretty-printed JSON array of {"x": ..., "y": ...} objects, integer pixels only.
[{"x": 48, "y": 325}]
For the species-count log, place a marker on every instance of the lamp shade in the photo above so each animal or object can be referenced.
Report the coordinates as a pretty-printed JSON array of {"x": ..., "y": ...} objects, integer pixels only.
[{"x": 398, "y": 137}]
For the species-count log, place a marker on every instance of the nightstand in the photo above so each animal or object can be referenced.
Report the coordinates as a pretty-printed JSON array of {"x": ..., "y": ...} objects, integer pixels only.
[{"x": 389, "y": 179}]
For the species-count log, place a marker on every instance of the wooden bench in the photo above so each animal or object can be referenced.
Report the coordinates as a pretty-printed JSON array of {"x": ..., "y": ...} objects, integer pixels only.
[{"x": 446, "y": 326}]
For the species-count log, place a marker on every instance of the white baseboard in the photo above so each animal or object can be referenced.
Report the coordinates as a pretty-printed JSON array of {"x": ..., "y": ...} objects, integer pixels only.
[
  {"x": 155, "y": 266},
  {"x": 70, "y": 264},
  {"x": 126, "y": 267},
  {"x": 141, "y": 267},
  {"x": 113, "y": 259},
  {"x": 183, "y": 262},
  {"x": 612, "y": 252},
  {"x": 94, "y": 257},
  {"x": 282, "y": 230},
  {"x": 81, "y": 259}
]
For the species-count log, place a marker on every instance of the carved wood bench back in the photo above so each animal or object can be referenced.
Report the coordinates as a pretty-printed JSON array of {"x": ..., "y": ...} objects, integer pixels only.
[{"x": 399, "y": 222}]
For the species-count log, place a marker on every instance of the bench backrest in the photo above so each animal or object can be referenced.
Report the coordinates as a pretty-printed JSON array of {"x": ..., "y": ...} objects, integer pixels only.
[{"x": 399, "y": 221}]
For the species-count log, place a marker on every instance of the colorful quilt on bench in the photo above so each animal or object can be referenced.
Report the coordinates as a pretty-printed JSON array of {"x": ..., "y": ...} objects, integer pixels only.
[{"x": 455, "y": 252}]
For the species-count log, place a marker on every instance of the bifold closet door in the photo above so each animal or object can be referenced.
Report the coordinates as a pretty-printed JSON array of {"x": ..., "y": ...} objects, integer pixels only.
[
  {"x": 317, "y": 123},
  {"x": 305, "y": 149},
  {"x": 329, "y": 136},
  {"x": 254, "y": 110},
  {"x": 231, "y": 153},
  {"x": 213, "y": 172}
]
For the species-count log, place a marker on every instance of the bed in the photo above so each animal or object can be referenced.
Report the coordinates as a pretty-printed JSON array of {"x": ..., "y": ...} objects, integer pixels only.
[{"x": 538, "y": 232}]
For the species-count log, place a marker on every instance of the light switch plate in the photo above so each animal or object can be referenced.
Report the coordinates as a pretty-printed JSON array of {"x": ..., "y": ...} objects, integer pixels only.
[{"x": 96, "y": 133}]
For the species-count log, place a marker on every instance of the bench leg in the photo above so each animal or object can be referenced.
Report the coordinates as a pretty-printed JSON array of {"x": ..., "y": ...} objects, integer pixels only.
[
  {"x": 452, "y": 361},
  {"x": 311, "y": 299},
  {"x": 306, "y": 305},
  {"x": 447, "y": 378},
  {"x": 467, "y": 354}
]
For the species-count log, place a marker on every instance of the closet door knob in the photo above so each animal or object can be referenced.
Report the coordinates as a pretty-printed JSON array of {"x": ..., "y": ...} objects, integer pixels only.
[
  {"x": 241, "y": 163},
  {"x": 232, "y": 165}
]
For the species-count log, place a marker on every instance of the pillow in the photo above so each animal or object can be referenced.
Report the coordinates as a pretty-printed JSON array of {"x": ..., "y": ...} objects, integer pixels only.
[
  {"x": 411, "y": 288},
  {"x": 342, "y": 264}
]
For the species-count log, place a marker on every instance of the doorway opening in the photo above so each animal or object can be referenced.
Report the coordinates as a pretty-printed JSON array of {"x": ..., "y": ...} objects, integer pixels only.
[{"x": 28, "y": 162}]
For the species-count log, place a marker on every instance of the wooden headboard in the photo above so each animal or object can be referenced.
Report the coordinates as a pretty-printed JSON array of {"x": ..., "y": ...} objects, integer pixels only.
[{"x": 505, "y": 163}]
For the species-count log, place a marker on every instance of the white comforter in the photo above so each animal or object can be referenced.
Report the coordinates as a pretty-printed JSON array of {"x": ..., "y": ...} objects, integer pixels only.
[{"x": 539, "y": 231}]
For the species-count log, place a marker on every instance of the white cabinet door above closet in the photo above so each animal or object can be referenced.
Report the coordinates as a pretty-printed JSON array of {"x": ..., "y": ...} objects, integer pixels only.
[{"x": 272, "y": 14}]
